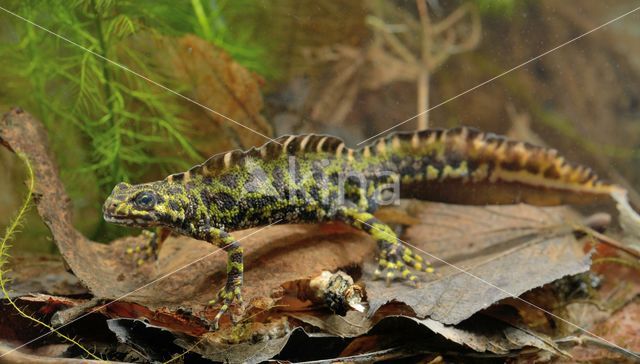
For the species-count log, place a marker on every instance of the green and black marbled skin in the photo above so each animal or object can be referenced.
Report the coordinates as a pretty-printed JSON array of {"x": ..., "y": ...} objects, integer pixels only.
[{"x": 315, "y": 178}]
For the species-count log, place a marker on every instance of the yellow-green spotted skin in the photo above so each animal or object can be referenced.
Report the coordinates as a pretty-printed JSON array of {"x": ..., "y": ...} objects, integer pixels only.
[{"x": 315, "y": 178}]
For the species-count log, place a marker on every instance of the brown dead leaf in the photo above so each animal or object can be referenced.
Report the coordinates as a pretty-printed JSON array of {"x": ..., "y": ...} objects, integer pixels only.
[
  {"x": 218, "y": 82},
  {"x": 12, "y": 356},
  {"x": 16, "y": 329},
  {"x": 629, "y": 219},
  {"x": 42, "y": 274},
  {"x": 616, "y": 284},
  {"x": 480, "y": 333},
  {"x": 273, "y": 256},
  {"x": 265, "y": 341},
  {"x": 586, "y": 300},
  {"x": 486, "y": 335},
  {"x": 353, "y": 324},
  {"x": 505, "y": 250},
  {"x": 622, "y": 330}
]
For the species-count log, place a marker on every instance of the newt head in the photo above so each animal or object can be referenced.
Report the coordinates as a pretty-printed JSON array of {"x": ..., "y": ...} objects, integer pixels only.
[{"x": 146, "y": 205}]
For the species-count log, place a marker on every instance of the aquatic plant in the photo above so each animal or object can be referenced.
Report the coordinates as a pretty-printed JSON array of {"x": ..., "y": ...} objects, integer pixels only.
[
  {"x": 5, "y": 244},
  {"x": 108, "y": 125},
  {"x": 498, "y": 8}
]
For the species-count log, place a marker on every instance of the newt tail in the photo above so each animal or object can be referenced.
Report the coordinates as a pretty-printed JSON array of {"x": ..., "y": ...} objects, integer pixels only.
[
  {"x": 314, "y": 178},
  {"x": 464, "y": 165}
]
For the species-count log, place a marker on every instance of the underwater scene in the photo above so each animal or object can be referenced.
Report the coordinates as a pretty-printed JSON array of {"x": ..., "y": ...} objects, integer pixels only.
[{"x": 248, "y": 181}]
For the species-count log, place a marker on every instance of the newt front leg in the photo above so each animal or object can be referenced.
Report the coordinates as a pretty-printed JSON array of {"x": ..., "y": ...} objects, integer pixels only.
[
  {"x": 231, "y": 292},
  {"x": 148, "y": 250}
]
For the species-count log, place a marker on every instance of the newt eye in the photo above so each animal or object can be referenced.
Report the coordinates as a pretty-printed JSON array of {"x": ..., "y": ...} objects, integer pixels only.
[{"x": 145, "y": 200}]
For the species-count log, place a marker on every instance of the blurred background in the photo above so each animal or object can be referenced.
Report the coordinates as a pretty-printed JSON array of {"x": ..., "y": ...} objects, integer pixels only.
[{"x": 349, "y": 68}]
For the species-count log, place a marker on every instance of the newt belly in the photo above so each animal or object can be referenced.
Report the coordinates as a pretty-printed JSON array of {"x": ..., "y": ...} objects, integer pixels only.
[{"x": 314, "y": 178}]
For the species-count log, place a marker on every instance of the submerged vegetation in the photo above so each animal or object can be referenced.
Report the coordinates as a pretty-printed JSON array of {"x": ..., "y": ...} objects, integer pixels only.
[
  {"x": 5, "y": 244},
  {"x": 108, "y": 125}
]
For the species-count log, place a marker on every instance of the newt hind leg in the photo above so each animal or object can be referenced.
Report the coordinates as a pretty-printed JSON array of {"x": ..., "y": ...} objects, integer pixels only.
[{"x": 394, "y": 259}]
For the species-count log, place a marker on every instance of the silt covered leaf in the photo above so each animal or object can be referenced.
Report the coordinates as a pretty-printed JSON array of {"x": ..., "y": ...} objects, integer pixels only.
[{"x": 482, "y": 255}]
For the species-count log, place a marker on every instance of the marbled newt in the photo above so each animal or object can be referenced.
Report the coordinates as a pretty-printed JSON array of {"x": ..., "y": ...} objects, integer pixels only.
[{"x": 316, "y": 178}]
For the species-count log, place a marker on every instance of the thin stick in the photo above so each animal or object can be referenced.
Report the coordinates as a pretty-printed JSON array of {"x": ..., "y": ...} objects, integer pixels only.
[
  {"x": 609, "y": 241},
  {"x": 425, "y": 69}
]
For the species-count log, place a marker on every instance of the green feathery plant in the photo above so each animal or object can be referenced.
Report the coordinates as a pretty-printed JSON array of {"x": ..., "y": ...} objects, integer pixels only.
[
  {"x": 233, "y": 25},
  {"x": 498, "y": 8},
  {"x": 5, "y": 244},
  {"x": 107, "y": 125}
]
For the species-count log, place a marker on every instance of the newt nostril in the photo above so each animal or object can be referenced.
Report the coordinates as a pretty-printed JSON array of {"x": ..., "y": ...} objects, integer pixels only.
[{"x": 109, "y": 206}]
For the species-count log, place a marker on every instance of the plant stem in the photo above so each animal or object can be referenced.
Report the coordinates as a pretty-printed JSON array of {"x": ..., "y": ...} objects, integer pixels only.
[
  {"x": 108, "y": 92},
  {"x": 4, "y": 246},
  {"x": 203, "y": 21},
  {"x": 423, "y": 76}
]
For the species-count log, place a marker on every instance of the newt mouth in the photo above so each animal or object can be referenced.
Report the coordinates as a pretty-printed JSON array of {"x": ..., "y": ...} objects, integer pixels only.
[
  {"x": 128, "y": 221},
  {"x": 112, "y": 215},
  {"x": 120, "y": 220}
]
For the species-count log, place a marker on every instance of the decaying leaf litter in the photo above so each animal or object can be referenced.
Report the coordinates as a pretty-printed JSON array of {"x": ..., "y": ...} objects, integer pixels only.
[{"x": 522, "y": 248}]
